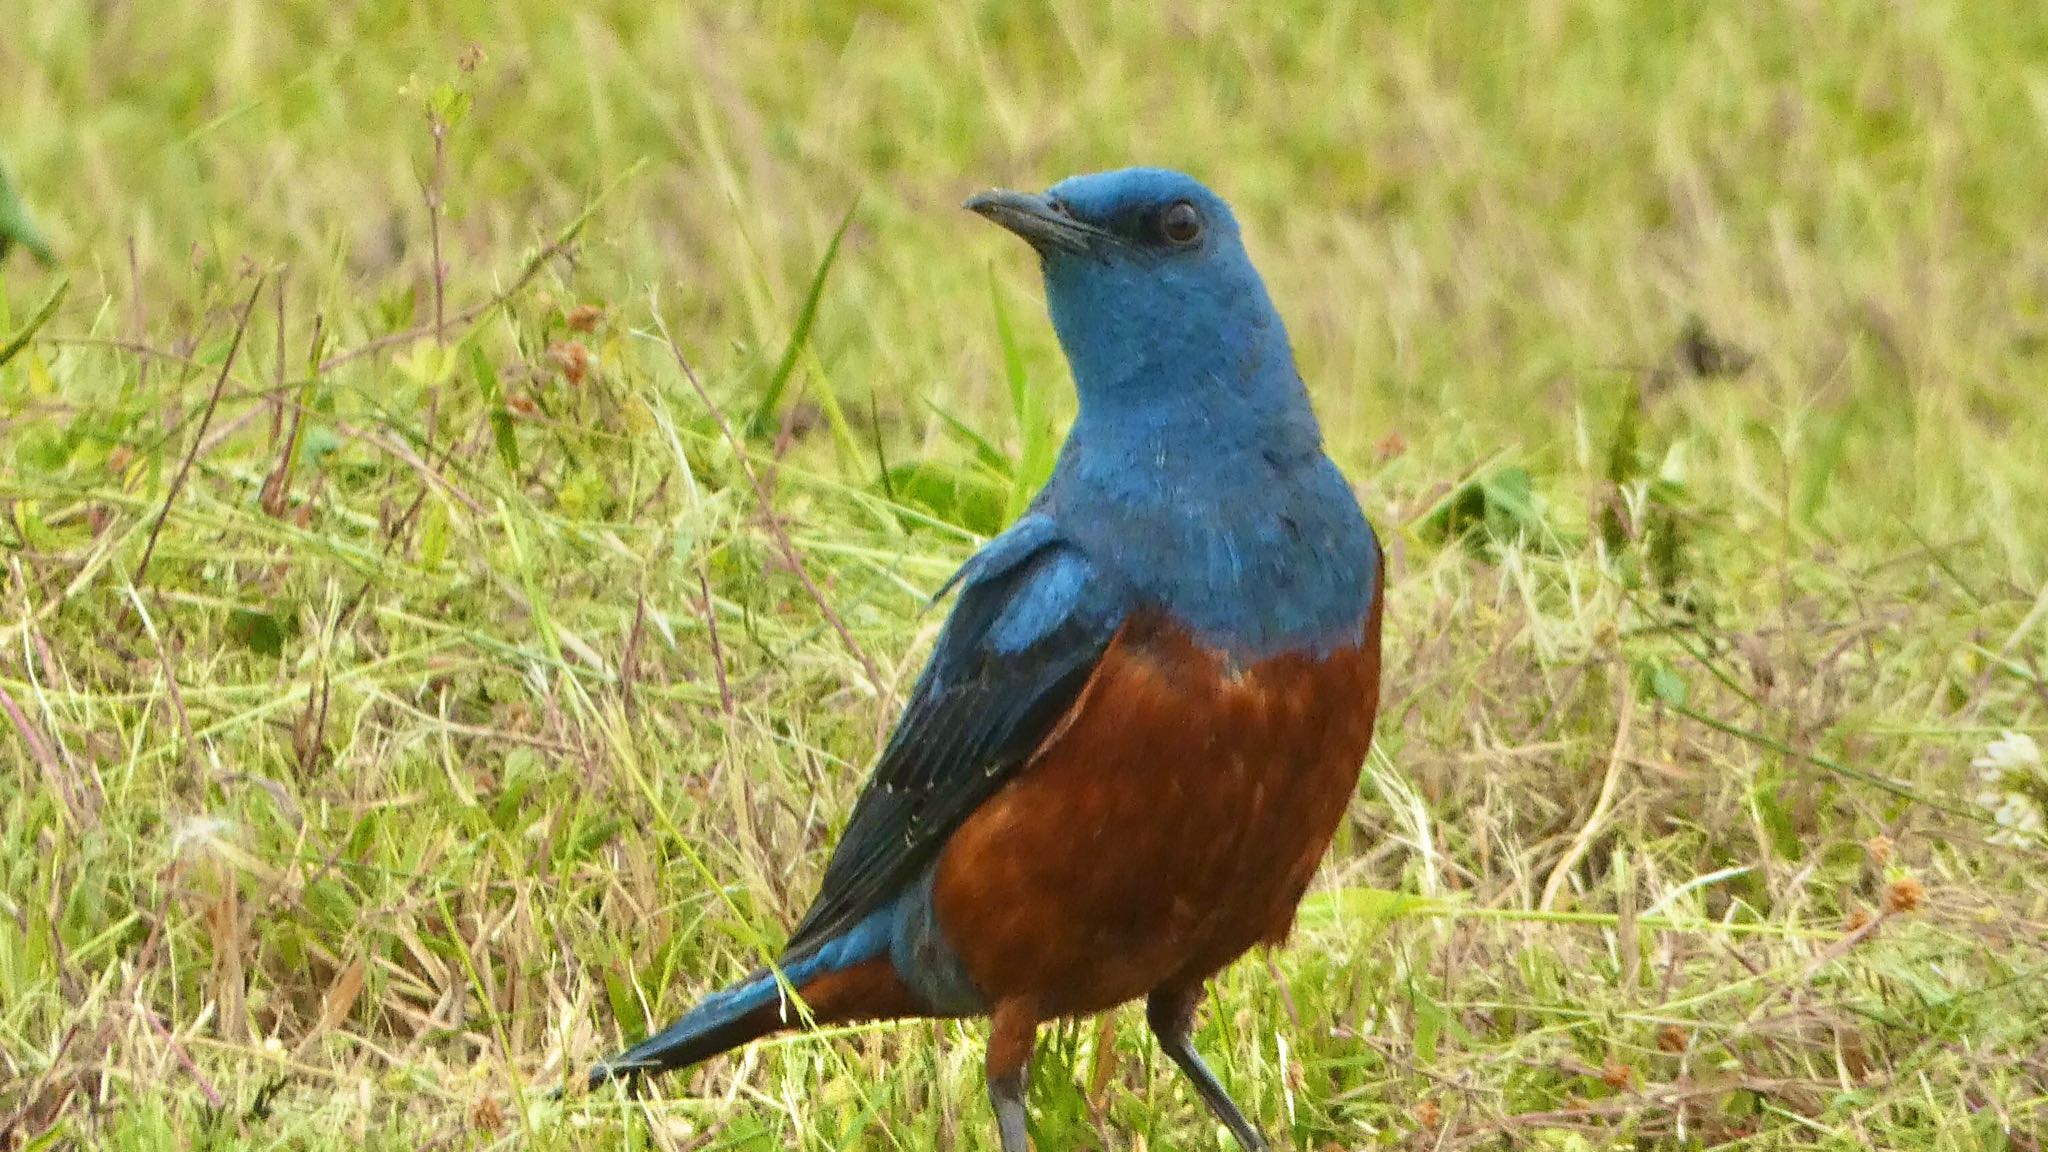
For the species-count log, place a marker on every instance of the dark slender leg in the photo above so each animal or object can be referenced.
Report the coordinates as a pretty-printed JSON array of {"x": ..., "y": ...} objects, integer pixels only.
[
  {"x": 1013, "y": 1034},
  {"x": 1006, "y": 1092},
  {"x": 1171, "y": 1013}
]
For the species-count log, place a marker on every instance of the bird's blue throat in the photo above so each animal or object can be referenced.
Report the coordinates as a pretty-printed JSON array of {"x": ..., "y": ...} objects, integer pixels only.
[{"x": 1195, "y": 468}]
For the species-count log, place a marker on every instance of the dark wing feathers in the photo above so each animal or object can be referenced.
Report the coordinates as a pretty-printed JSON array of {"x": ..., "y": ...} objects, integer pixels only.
[{"x": 1022, "y": 641}]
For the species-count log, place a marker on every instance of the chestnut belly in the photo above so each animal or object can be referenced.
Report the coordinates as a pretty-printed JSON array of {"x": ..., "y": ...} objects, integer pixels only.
[{"x": 1172, "y": 822}]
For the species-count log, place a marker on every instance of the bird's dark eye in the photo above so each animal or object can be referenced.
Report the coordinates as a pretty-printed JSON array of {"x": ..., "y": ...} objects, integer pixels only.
[{"x": 1181, "y": 223}]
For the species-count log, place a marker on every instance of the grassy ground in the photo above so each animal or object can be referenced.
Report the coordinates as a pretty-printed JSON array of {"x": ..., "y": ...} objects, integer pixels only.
[{"x": 416, "y": 683}]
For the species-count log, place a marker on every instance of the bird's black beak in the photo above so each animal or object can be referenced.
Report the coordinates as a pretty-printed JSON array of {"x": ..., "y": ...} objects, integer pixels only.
[{"x": 1043, "y": 224}]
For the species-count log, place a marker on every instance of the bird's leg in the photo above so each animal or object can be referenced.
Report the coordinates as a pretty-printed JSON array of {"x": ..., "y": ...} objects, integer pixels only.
[
  {"x": 1171, "y": 1013},
  {"x": 1013, "y": 1034}
]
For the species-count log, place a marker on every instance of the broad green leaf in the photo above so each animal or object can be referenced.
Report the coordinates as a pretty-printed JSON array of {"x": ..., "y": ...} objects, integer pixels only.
[
  {"x": 503, "y": 434},
  {"x": 259, "y": 632},
  {"x": 972, "y": 500}
]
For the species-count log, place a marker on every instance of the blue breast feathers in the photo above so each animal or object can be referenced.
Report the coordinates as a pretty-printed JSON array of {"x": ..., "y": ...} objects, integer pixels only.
[{"x": 1256, "y": 554}]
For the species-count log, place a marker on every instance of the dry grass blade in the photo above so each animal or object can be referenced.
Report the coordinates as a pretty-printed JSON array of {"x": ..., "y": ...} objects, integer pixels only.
[{"x": 227, "y": 365}]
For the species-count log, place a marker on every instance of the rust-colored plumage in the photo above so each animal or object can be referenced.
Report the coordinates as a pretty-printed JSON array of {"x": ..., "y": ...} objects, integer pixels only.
[{"x": 1172, "y": 822}]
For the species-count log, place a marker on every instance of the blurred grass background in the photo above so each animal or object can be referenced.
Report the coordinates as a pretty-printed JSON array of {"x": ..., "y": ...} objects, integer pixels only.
[{"x": 416, "y": 682}]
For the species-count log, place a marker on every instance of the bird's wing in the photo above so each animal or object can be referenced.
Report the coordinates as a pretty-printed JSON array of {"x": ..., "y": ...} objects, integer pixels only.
[{"x": 1033, "y": 618}]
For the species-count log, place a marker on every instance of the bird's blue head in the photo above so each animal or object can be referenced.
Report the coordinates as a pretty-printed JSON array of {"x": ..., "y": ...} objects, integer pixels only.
[{"x": 1152, "y": 294}]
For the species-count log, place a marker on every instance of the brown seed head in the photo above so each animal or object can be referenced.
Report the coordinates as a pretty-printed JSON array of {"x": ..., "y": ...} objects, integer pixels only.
[
  {"x": 1903, "y": 895},
  {"x": 571, "y": 358},
  {"x": 486, "y": 1115}
]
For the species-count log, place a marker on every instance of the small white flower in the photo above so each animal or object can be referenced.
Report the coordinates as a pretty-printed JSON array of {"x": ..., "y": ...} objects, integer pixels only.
[
  {"x": 2019, "y": 821},
  {"x": 2012, "y": 754},
  {"x": 203, "y": 834},
  {"x": 2019, "y": 824},
  {"x": 2015, "y": 786}
]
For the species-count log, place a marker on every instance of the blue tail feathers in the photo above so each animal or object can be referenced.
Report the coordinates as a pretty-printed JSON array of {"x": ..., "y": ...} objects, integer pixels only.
[
  {"x": 721, "y": 1021},
  {"x": 750, "y": 1009}
]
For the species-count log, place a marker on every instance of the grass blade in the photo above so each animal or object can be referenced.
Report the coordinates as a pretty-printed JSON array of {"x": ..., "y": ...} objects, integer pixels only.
[
  {"x": 27, "y": 332},
  {"x": 764, "y": 413}
]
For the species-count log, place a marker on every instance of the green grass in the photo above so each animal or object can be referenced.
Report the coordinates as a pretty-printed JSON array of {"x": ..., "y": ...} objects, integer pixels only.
[{"x": 414, "y": 685}]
